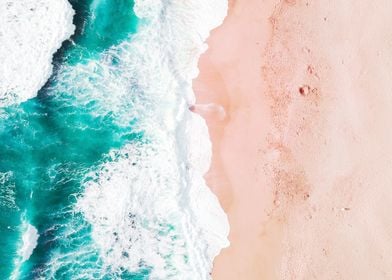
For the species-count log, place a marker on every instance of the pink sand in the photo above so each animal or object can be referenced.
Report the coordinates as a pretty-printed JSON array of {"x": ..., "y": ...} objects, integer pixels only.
[{"x": 302, "y": 149}]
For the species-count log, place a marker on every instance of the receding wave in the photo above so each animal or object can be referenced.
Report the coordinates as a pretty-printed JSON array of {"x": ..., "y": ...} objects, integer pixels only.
[{"x": 148, "y": 204}]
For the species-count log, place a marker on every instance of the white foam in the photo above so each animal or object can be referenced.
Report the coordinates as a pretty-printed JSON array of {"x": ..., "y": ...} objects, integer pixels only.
[
  {"x": 29, "y": 242},
  {"x": 29, "y": 239},
  {"x": 30, "y": 33},
  {"x": 7, "y": 191},
  {"x": 149, "y": 204}
]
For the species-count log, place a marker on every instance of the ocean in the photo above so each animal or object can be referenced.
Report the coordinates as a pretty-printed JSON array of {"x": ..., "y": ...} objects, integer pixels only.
[{"x": 101, "y": 171}]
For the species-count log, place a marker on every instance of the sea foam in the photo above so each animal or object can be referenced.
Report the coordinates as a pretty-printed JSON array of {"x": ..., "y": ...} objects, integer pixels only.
[
  {"x": 28, "y": 243},
  {"x": 31, "y": 31},
  {"x": 29, "y": 239},
  {"x": 148, "y": 204}
]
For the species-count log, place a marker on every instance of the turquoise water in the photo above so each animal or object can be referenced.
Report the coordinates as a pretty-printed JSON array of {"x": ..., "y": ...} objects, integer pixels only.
[{"x": 48, "y": 144}]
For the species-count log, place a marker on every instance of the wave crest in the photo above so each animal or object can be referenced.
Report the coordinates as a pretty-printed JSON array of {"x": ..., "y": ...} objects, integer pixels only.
[{"x": 31, "y": 31}]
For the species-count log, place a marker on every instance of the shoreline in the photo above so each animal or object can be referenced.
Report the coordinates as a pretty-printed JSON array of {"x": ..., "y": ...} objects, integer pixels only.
[
  {"x": 297, "y": 111},
  {"x": 231, "y": 81}
]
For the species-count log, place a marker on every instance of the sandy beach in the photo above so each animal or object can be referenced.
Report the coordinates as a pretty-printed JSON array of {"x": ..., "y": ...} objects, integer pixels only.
[{"x": 297, "y": 96}]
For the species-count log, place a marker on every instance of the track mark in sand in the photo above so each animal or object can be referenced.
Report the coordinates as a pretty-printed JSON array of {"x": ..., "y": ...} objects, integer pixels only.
[
  {"x": 289, "y": 186},
  {"x": 291, "y": 78}
]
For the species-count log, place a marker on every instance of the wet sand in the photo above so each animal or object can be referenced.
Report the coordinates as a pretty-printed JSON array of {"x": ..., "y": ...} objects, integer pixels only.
[{"x": 299, "y": 98}]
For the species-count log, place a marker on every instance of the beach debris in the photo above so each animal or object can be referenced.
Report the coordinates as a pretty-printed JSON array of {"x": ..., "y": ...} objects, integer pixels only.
[
  {"x": 304, "y": 90},
  {"x": 209, "y": 110},
  {"x": 310, "y": 69}
]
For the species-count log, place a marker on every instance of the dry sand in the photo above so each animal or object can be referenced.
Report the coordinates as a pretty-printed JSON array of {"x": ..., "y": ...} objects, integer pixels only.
[{"x": 302, "y": 154}]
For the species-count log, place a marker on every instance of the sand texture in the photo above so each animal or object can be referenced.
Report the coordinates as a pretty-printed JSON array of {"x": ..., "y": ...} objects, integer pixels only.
[{"x": 298, "y": 100}]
